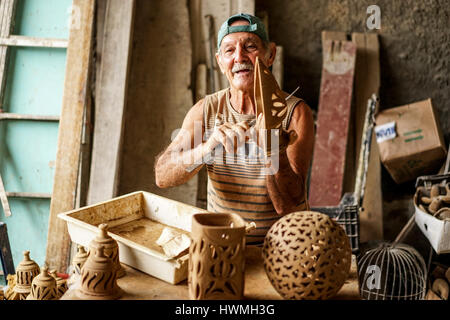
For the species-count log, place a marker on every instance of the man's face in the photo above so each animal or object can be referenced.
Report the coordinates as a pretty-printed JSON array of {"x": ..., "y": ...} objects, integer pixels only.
[{"x": 237, "y": 56}]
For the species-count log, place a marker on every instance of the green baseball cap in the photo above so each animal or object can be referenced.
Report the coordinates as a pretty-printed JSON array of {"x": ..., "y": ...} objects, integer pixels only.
[{"x": 255, "y": 26}]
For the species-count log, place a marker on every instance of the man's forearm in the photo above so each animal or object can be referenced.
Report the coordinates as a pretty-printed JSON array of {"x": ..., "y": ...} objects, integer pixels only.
[
  {"x": 286, "y": 188},
  {"x": 171, "y": 167}
]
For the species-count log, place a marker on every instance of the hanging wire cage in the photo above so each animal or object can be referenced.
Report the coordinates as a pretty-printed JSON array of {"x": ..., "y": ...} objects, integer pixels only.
[{"x": 392, "y": 272}]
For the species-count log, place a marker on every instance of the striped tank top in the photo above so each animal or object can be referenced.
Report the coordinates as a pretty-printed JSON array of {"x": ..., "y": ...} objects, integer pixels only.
[{"x": 237, "y": 182}]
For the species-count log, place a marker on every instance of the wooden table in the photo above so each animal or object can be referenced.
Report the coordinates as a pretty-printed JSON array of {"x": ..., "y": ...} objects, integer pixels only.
[{"x": 140, "y": 286}]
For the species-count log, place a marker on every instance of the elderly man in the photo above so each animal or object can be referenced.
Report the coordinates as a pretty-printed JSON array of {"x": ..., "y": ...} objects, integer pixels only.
[{"x": 239, "y": 182}]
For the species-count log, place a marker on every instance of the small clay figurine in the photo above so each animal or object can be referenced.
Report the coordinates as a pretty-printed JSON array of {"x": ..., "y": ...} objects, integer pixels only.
[
  {"x": 25, "y": 273},
  {"x": 43, "y": 287},
  {"x": 99, "y": 278},
  {"x": 110, "y": 246}
]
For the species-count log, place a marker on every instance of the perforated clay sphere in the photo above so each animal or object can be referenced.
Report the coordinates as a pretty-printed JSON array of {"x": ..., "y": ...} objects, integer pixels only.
[{"x": 307, "y": 256}]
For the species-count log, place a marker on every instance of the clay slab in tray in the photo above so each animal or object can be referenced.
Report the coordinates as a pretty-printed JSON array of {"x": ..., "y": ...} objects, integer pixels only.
[{"x": 135, "y": 221}]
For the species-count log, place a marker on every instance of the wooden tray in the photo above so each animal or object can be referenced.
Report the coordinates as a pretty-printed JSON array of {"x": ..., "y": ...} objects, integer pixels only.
[{"x": 136, "y": 221}]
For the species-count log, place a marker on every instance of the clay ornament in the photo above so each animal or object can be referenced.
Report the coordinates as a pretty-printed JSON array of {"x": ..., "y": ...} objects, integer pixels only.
[
  {"x": 79, "y": 260},
  {"x": 25, "y": 273},
  {"x": 270, "y": 101},
  {"x": 9, "y": 292},
  {"x": 216, "y": 257},
  {"x": 111, "y": 248},
  {"x": 99, "y": 278},
  {"x": 43, "y": 287},
  {"x": 306, "y": 256},
  {"x": 61, "y": 284}
]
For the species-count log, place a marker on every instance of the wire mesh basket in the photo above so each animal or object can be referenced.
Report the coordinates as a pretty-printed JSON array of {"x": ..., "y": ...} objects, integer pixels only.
[{"x": 392, "y": 272}]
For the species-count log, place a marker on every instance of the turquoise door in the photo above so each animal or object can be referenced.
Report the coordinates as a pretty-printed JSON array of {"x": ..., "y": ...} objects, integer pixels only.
[{"x": 33, "y": 86}]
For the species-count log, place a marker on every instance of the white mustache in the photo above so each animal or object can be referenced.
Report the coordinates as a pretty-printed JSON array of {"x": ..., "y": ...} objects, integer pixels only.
[{"x": 241, "y": 66}]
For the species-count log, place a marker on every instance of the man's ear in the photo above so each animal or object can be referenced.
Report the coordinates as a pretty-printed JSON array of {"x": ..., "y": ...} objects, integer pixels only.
[
  {"x": 273, "y": 53},
  {"x": 219, "y": 62}
]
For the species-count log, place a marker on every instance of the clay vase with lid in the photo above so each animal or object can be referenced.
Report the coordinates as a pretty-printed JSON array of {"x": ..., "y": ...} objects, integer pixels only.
[
  {"x": 111, "y": 248},
  {"x": 61, "y": 284},
  {"x": 25, "y": 273},
  {"x": 43, "y": 287},
  {"x": 216, "y": 257},
  {"x": 99, "y": 278}
]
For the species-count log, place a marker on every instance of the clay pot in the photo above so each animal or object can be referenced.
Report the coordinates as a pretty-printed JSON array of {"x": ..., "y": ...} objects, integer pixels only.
[
  {"x": 25, "y": 273},
  {"x": 111, "y": 248},
  {"x": 307, "y": 256},
  {"x": 61, "y": 284},
  {"x": 99, "y": 278},
  {"x": 43, "y": 287},
  {"x": 216, "y": 256}
]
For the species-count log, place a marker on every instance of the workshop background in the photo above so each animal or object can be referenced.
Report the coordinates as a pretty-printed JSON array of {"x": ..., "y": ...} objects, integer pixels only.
[{"x": 90, "y": 123}]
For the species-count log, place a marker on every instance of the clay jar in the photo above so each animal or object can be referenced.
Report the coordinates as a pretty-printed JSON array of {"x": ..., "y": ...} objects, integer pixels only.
[
  {"x": 110, "y": 246},
  {"x": 43, "y": 287},
  {"x": 99, "y": 278},
  {"x": 306, "y": 256},
  {"x": 216, "y": 256},
  {"x": 25, "y": 273}
]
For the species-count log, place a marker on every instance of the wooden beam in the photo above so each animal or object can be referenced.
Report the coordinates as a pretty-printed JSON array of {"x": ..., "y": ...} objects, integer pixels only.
[
  {"x": 329, "y": 165},
  {"x": 367, "y": 82},
  {"x": 69, "y": 134},
  {"x": 110, "y": 102},
  {"x": 23, "y": 41}
]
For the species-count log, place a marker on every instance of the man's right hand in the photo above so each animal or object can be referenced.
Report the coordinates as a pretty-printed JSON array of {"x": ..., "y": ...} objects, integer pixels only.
[{"x": 231, "y": 136}]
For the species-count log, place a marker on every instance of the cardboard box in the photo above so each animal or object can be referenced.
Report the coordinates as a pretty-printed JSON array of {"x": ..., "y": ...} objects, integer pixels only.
[{"x": 410, "y": 141}]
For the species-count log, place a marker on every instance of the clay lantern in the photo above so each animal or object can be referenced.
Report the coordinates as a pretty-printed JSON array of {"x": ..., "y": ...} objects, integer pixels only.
[
  {"x": 43, "y": 287},
  {"x": 111, "y": 248},
  {"x": 216, "y": 256},
  {"x": 25, "y": 273},
  {"x": 79, "y": 260},
  {"x": 61, "y": 284},
  {"x": 307, "y": 256},
  {"x": 99, "y": 278}
]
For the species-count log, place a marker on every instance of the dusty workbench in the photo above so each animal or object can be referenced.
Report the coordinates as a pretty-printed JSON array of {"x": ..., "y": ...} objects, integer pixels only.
[{"x": 140, "y": 286}]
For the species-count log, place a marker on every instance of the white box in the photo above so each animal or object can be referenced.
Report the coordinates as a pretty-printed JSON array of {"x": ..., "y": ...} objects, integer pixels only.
[
  {"x": 437, "y": 231},
  {"x": 135, "y": 221}
]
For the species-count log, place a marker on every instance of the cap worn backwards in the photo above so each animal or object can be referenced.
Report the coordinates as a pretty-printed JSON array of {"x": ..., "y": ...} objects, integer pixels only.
[{"x": 255, "y": 26}]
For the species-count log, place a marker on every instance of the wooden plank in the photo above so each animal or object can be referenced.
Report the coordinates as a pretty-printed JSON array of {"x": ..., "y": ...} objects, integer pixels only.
[
  {"x": 333, "y": 122},
  {"x": 278, "y": 66},
  {"x": 7, "y": 11},
  {"x": 110, "y": 101},
  {"x": 35, "y": 117},
  {"x": 23, "y": 41},
  {"x": 5, "y": 251},
  {"x": 4, "y": 199},
  {"x": 367, "y": 82},
  {"x": 36, "y": 195},
  {"x": 69, "y": 135}
]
